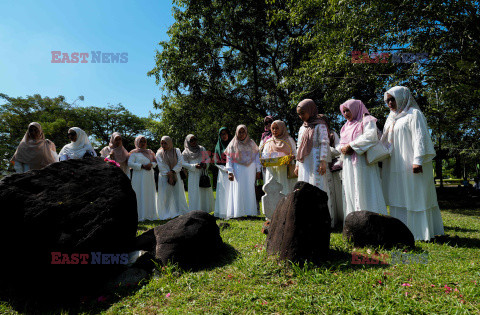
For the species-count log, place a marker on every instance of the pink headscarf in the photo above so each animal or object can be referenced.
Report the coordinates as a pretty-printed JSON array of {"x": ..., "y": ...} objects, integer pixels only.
[
  {"x": 306, "y": 145},
  {"x": 146, "y": 152},
  {"x": 120, "y": 153},
  {"x": 242, "y": 151},
  {"x": 282, "y": 143},
  {"x": 354, "y": 128}
]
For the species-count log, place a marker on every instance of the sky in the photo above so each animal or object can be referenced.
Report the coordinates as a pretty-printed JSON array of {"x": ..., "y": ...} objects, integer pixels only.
[{"x": 31, "y": 29}]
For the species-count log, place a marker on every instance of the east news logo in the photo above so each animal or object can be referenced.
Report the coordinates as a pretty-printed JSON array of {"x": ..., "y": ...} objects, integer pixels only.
[
  {"x": 96, "y": 57},
  {"x": 97, "y": 258}
]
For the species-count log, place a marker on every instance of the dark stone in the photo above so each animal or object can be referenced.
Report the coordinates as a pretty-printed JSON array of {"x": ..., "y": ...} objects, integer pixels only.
[
  {"x": 192, "y": 241},
  {"x": 366, "y": 228},
  {"x": 300, "y": 227},
  {"x": 77, "y": 206}
]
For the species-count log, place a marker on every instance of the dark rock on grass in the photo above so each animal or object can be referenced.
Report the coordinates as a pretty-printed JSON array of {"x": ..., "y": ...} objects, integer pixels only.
[
  {"x": 192, "y": 241},
  {"x": 72, "y": 207},
  {"x": 366, "y": 228},
  {"x": 300, "y": 227}
]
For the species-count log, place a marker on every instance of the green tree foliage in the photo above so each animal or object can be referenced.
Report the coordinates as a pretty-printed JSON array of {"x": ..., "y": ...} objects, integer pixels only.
[
  {"x": 56, "y": 116},
  {"x": 230, "y": 62}
]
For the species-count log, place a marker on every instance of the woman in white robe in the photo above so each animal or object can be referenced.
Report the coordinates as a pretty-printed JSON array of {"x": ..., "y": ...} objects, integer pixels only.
[
  {"x": 79, "y": 147},
  {"x": 281, "y": 144},
  {"x": 361, "y": 182},
  {"x": 408, "y": 175},
  {"x": 34, "y": 151},
  {"x": 171, "y": 200},
  {"x": 223, "y": 183},
  {"x": 142, "y": 161},
  {"x": 243, "y": 166},
  {"x": 313, "y": 150},
  {"x": 332, "y": 176},
  {"x": 115, "y": 151},
  {"x": 195, "y": 160}
]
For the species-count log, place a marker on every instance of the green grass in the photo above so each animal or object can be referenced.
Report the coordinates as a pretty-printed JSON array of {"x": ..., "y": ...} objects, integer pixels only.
[{"x": 253, "y": 282}]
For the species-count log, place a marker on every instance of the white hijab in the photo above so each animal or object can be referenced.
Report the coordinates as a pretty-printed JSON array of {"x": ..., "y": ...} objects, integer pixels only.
[
  {"x": 77, "y": 149},
  {"x": 405, "y": 101}
]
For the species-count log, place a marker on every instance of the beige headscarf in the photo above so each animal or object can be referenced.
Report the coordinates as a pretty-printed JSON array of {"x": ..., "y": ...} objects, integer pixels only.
[
  {"x": 120, "y": 153},
  {"x": 282, "y": 143},
  {"x": 37, "y": 153},
  {"x": 169, "y": 156},
  {"x": 146, "y": 152},
  {"x": 242, "y": 151},
  {"x": 306, "y": 145},
  {"x": 191, "y": 152}
]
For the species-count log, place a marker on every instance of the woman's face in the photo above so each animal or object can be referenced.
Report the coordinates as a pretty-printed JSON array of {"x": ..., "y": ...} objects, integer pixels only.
[
  {"x": 392, "y": 104},
  {"x": 72, "y": 135},
  {"x": 143, "y": 143},
  {"x": 164, "y": 144},
  {"x": 193, "y": 142},
  {"x": 242, "y": 134},
  {"x": 224, "y": 135},
  {"x": 33, "y": 132},
  {"x": 302, "y": 114},
  {"x": 347, "y": 113},
  {"x": 117, "y": 141},
  {"x": 275, "y": 130}
]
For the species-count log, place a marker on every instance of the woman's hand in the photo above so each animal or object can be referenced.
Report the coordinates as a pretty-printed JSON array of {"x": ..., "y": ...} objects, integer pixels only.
[
  {"x": 417, "y": 169},
  {"x": 198, "y": 165},
  {"x": 347, "y": 150},
  {"x": 322, "y": 168},
  {"x": 296, "y": 170},
  {"x": 231, "y": 177},
  {"x": 147, "y": 167}
]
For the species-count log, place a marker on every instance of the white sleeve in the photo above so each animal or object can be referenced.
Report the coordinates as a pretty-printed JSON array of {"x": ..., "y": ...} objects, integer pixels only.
[
  {"x": 367, "y": 139},
  {"x": 133, "y": 164},
  {"x": 63, "y": 157},
  {"x": 335, "y": 149},
  {"x": 299, "y": 140},
  {"x": 322, "y": 141},
  {"x": 163, "y": 169},
  {"x": 229, "y": 165},
  {"x": 423, "y": 150},
  {"x": 18, "y": 167},
  {"x": 177, "y": 168},
  {"x": 188, "y": 166}
]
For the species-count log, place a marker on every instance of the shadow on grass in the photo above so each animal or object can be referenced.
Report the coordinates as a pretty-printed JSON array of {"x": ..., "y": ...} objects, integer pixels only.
[
  {"x": 459, "y": 229},
  {"x": 457, "y": 241},
  {"x": 463, "y": 211}
]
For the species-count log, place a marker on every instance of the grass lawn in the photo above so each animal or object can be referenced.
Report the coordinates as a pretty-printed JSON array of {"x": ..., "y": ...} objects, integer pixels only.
[{"x": 252, "y": 282}]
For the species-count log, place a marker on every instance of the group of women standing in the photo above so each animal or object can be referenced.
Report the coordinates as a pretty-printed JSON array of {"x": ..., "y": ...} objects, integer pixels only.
[{"x": 335, "y": 164}]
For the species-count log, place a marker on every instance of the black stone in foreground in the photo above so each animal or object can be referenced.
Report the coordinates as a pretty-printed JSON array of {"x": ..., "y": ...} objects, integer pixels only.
[
  {"x": 366, "y": 228},
  {"x": 300, "y": 227},
  {"x": 74, "y": 207}
]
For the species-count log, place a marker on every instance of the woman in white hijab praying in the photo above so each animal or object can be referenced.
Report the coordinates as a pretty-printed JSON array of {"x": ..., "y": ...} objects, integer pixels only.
[
  {"x": 34, "y": 151},
  {"x": 243, "y": 166},
  {"x": 142, "y": 161},
  {"x": 79, "y": 147},
  {"x": 195, "y": 160},
  {"x": 117, "y": 152},
  {"x": 407, "y": 176},
  {"x": 171, "y": 201}
]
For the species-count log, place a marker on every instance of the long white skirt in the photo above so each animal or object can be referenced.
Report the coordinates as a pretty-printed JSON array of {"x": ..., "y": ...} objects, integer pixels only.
[
  {"x": 171, "y": 201},
  {"x": 223, "y": 190},
  {"x": 199, "y": 198},
  {"x": 424, "y": 225},
  {"x": 362, "y": 186},
  {"x": 143, "y": 183},
  {"x": 241, "y": 198}
]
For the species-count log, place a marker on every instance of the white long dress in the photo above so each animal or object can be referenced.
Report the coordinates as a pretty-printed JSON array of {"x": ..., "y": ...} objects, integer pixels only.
[
  {"x": 412, "y": 197},
  {"x": 361, "y": 182},
  {"x": 335, "y": 185},
  {"x": 171, "y": 200},
  {"x": 143, "y": 183},
  {"x": 308, "y": 170},
  {"x": 199, "y": 198},
  {"x": 223, "y": 190},
  {"x": 280, "y": 172},
  {"x": 241, "y": 198}
]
